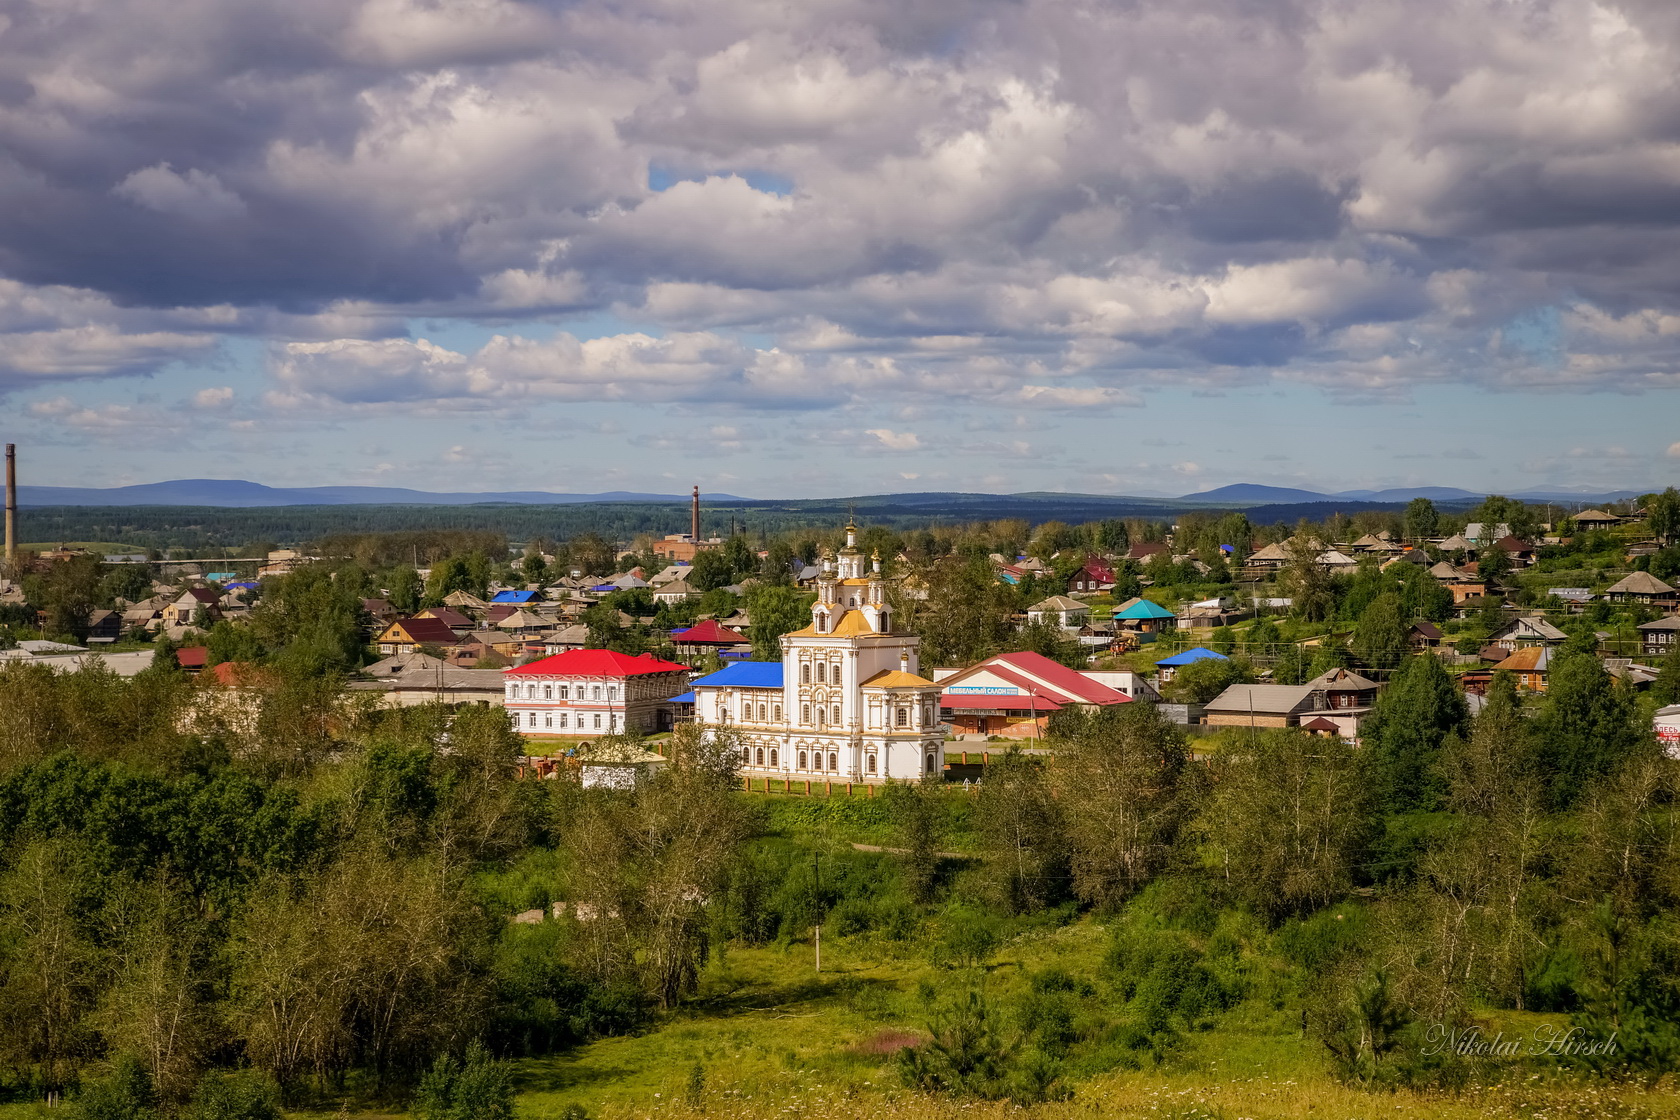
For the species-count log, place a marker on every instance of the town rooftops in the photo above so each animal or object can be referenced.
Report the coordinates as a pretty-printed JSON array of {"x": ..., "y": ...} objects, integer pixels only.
[
  {"x": 595, "y": 663},
  {"x": 1189, "y": 656},
  {"x": 1456, "y": 543},
  {"x": 514, "y": 596},
  {"x": 1672, "y": 622},
  {"x": 744, "y": 674}
]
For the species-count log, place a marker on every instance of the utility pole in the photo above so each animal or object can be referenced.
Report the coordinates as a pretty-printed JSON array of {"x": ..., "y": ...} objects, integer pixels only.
[{"x": 816, "y": 901}]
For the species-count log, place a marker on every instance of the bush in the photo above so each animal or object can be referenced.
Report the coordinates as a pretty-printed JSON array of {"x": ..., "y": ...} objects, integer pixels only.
[
  {"x": 477, "y": 1087},
  {"x": 126, "y": 1093},
  {"x": 968, "y": 939},
  {"x": 246, "y": 1095}
]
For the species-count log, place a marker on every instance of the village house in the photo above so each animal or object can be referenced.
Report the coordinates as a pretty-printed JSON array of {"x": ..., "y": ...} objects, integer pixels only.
[
  {"x": 406, "y": 634},
  {"x": 1522, "y": 632},
  {"x": 1144, "y": 616},
  {"x": 1592, "y": 519},
  {"x": 183, "y": 610},
  {"x": 1658, "y": 639},
  {"x": 1013, "y": 695},
  {"x": 1167, "y": 667},
  {"x": 674, "y": 591},
  {"x": 1531, "y": 666},
  {"x": 1642, "y": 587},
  {"x": 593, "y": 692},
  {"x": 1260, "y": 705},
  {"x": 1060, "y": 611},
  {"x": 1094, "y": 577}
]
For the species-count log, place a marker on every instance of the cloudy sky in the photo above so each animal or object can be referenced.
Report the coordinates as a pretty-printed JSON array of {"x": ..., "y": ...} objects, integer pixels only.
[{"x": 842, "y": 246}]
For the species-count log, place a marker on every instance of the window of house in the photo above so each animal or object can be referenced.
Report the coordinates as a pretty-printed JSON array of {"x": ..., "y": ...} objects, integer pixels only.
[
  {"x": 596, "y": 691},
  {"x": 773, "y": 756},
  {"x": 902, "y": 717},
  {"x": 802, "y": 760},
  {"x": 833, "y": 761},
  {"x": 565, "y": 692},
  {"x": 869, "y": 763},
  {"x": 548, "y": 692},
  {"x": 531, "y": 720},
  {"x": 612, "y": 692},
  {"x": 562, "y": 719},
  {"x": 597, "y": 721},
  {"x": 548, "y": 721}
]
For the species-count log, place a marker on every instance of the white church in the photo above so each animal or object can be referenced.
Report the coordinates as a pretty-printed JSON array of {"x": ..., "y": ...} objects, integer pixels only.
[{"x": 845, "y": 703}]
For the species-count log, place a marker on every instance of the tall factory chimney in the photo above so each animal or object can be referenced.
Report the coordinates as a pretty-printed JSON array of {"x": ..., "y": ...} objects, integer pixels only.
[
  {"x": 693, "y": 524},
  {"x": 11, "y": 508}
]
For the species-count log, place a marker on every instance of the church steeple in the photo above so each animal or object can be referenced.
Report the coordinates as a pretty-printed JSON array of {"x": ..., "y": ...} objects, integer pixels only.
[{"x": 851, "y": 557}]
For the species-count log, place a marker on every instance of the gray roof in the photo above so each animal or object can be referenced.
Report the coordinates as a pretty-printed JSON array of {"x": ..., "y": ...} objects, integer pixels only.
[
  {"x": 1262, "y": 699},
  {"x": 1672, "y": 622},
  {"x": 1639, "y": 583}
]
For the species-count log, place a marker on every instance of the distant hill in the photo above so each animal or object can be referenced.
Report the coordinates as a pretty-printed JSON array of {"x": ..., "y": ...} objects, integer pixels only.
[
  {"x": 240, "y": 494},
  {"x": 1249, "y": 493}
]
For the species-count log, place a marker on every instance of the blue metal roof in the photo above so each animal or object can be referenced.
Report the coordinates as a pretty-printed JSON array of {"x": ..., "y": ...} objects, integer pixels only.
[
  {"x": 1200, "y": 653},
  {"x": 1145, "y": 609},
  {"x": 744, "y": 674},
  {"x": 685, "y": 698},
  {"x": 514, "y": 597}
]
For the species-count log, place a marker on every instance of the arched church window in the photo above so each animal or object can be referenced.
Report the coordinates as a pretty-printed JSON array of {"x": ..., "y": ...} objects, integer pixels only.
[
  {"x": 761, "y": 756},
  {"x": 836, "y": 713},
  {"x": 805, "y": 674},
  {"x": 833, "y": 761},
  {"x": 773, "y": 756},
  {"x": 802, "y": 765},
  {"x": 822, "y": 673},
  {"x": 869, "y": 763}
]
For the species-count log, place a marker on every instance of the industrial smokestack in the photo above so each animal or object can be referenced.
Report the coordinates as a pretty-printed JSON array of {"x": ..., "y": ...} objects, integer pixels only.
[
  {"x": 693, "y": 524},
  {"x": 11, "y": 508}
]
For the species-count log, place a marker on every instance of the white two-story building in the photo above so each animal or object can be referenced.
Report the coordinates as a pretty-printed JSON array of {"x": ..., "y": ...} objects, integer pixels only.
[{"x": 586, "y": 692}]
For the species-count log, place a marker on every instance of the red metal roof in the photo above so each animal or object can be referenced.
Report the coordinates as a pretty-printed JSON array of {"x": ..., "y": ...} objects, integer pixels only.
[
  {"x": 1078, "y": 686},
  {"x": 191, "y": 657},
  {"x": 595, "y": 663},
  {"x": 708, "y": 632},
  {"x": 1036, "y": 674}
]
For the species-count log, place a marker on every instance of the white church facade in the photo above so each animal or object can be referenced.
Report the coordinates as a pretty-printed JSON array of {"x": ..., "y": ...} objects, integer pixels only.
[{"x": 846, "y": 701}]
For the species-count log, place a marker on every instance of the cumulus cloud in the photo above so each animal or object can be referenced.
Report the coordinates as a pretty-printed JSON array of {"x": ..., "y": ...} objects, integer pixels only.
[{"x": 1030, "y": 205}]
